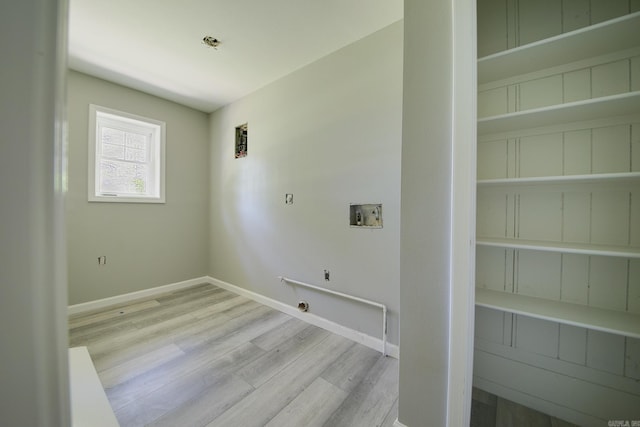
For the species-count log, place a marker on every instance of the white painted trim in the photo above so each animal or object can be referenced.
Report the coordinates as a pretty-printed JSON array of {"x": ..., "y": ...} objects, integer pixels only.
[
  {"x": 463, "y": 214},
  {"x": 359, "y": 337},
  {"x": 119, "y": 299},
  {"x": 89, "y": 403},
  {"x": 397, "y": 423},
  {"x": 137, "y": 123}
]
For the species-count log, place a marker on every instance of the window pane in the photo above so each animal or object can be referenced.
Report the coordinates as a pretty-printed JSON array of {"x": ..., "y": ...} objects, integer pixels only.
[
  {"x": 129, "y": 157},
  {"x": 137, "y": 140},
  {"x": 136, "y": 155},
  {"x": 123, "y": 177},
  {"x": 113, "y": 151},
  {"x": 112, "y": 136}
]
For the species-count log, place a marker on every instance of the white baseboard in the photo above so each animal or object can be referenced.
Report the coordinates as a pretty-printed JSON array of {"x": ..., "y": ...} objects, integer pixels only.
[
  {"x": 359, "y": 337},
  {"x": 119, "y": 299},
  {"x": 397, "y": 423}
]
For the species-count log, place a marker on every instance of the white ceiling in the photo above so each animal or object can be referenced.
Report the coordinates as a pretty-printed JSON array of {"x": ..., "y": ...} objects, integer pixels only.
[{"x": 156, "y": 45}]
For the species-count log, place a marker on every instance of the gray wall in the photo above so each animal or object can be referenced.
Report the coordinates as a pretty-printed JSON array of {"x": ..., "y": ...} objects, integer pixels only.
[
  {"x": 146, "y": 245},
  {"x": 329, "y": 133},
  {"x": 33, "y": 373},
  {"x": 438, "y": 184}
]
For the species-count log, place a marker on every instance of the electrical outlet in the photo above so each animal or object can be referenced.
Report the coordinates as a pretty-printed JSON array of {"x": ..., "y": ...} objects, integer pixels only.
[
  {"x": 102, "y": 260},
  {"x": 288, "y": 199},
  {"x": 326, "y": 275}
]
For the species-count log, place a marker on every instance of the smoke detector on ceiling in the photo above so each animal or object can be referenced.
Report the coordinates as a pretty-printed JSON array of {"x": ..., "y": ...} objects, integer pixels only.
[{"x": 211, "y": 41}]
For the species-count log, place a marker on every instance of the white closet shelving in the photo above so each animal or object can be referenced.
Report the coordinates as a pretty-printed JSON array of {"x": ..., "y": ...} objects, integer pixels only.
[
  {"x": 606, "y": 106},
  {"x": 598, "y": 319},
  {"x": 514, "y": 66},
  {"x": 599, "y": 39},
  {"x": 562, "y": 179},
  {"x": 564, "y": 247}
]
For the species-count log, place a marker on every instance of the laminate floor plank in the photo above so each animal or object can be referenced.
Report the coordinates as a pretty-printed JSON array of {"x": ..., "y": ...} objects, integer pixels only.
[
  {"x": 140, "y": 310},
  {"x": 257, "y": 409},
  {"x": 109, "y": 328},
  {"x": 132, "y": 344},
  {"x": 241, "y": 309},
  {"x": 136, "y": 334},
  {"x": 275, "y": 337},
  {"x": 191, "y": 306},
  {"x": 245, "y": 327},
  {"x": 311, "y": 407},
  {"x": 392, "y": 416},
  {"x": 186, "y": 294},
  {"x": 169, "y": 398},
  {"x": 265, "y": 367},
  {"x": 512, "y": 414},
  {"x": 370, "y": 402},
  {"x": 252, "y": 323},
  {"x": 125, "y": 371},
  {"x": 93, "y": 319},
  {"x": 204, "y": 356},
  {"x": 179, "y": 329},
  {"x": 219, "y": 307},
  {"x": 82, "y": 338},
  {"x": 150, "y": 380},
  {"x": 208, "y": 405},
  {"x": 348, "y": 371}
]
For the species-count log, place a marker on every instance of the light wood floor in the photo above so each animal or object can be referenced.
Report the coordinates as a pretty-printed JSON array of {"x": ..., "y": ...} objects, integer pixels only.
[{"x": 204, "y": 356}]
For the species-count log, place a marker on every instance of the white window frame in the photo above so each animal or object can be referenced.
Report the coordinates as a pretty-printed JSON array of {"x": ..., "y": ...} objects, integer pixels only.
[{"x": 98, "y": 117}]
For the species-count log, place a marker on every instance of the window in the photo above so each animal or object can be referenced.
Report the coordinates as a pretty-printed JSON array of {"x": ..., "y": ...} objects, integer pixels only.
[{"x": 126, "y": 157}]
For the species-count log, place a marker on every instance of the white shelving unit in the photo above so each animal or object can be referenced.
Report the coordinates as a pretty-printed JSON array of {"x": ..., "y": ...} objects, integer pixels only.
[
  {"x": 515, "y": 65},
  {"x": 599, "y": 39},
  {"x": 564, "y": 247},
  {"x": 598, "y": 319},
  {"x": 606, "y": 106},
  {"x": 562, "y": 179}
]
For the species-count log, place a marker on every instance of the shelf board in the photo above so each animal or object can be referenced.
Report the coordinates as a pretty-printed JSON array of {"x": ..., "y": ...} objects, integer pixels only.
[
  {"x": 599, "y": 39},
  {"x": 599, "y": 319},
  {"x": 565, "y": 179},
  {"x": 590, "y": 109},
  {"x": 564, "y": 247}
]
